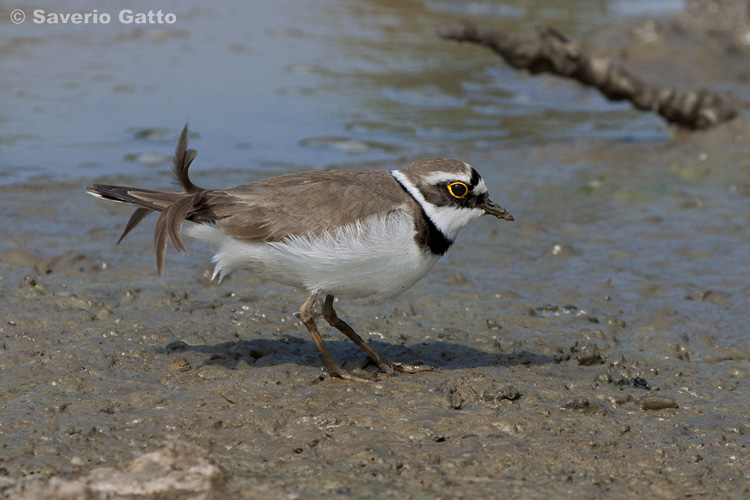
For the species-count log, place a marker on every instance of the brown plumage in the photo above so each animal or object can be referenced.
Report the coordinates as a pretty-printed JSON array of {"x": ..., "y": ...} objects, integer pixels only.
[
  {"x": 349, "y": 233},
  {"x": 267, "y": 210}
]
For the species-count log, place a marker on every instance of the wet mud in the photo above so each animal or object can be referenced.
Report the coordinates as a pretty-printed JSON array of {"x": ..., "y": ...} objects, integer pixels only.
[{"x": 572, "y": 361}]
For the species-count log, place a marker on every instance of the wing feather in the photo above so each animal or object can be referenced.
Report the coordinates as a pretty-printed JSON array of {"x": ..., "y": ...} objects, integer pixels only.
[{"x": 304, "y": 202}]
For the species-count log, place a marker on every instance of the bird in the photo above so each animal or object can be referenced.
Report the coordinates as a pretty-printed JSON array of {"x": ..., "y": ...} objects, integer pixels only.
[{"x": 350, "y": 234}]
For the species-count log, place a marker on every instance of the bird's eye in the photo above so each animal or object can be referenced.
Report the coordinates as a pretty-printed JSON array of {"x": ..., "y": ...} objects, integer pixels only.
[{"x": 458, "y": 189}]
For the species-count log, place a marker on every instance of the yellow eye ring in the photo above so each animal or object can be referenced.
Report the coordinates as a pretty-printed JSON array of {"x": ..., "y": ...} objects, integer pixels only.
[{"x": 458, "y": 189}]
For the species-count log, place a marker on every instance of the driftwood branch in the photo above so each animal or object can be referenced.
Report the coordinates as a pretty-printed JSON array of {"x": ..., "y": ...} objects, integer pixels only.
[{"x": 551, "y": 52}]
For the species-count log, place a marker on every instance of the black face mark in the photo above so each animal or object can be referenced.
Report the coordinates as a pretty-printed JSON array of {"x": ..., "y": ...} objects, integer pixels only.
[
  {"x": 475, "y": 178},
  {"x": 428, "y": 236}
]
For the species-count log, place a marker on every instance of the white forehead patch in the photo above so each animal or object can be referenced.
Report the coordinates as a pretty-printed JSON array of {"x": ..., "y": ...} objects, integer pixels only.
[
  {"x": 480, "y": 188},
  {"x": 438, "y": 177}
]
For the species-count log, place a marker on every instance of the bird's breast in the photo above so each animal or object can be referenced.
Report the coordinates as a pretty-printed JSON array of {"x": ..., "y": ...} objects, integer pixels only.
[{"x": 376, "y": 257}]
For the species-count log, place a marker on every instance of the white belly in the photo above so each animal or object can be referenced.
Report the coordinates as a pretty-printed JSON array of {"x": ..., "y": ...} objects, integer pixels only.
[{"x": 377, "y": 258}]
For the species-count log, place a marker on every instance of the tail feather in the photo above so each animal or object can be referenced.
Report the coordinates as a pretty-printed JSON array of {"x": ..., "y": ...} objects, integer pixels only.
[
  {"x": 147, "y": 198},
  {"x": 160, "y": 242},
  {"x": 169, "y": 225},
  {"x": 175, "y": 208},
  {"x": 135, "y": 219},
  {"x": 183, "y": 157}
]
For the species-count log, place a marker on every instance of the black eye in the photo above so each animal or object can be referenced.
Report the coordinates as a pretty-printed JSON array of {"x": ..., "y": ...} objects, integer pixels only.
[{"x": 458, "y": 189}]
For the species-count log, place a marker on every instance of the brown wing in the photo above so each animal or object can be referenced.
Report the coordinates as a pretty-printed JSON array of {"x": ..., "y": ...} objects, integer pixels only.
[
  {"x": 292, "y": 204},
  {"x": 266, "y": 210}
]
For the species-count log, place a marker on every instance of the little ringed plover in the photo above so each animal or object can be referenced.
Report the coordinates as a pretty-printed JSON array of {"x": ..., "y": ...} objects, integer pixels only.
[{"x": 346, "y": 233}]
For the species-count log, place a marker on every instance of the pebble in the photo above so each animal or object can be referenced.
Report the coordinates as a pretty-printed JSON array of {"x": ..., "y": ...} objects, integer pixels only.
[
  {"x": 583, "y": 405},
  {"x": 587, "y": 353},
  {"x": 640, "y": 383},
  {"x": 453, "y": 400},
  {"x": 508, "y": 392},
  {"x": 176, "y": 346},
  {"x": 180, "y": 365},
  {"x": 493, "y": 325},
  {"x": 657, "y": 403},
  {"x": 563, "y": 250},
  {"x": 32, "y": 286},
  {"x": 127, "y": 298},
  {"x": 579, "y": 404}
]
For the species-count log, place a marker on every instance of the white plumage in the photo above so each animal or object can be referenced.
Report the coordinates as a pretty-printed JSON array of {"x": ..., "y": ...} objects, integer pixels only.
[{"x": 375, "y": 257}]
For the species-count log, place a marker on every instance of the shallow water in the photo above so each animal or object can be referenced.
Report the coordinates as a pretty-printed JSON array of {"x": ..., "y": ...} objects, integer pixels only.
[
  {"x": 628, "y": 235},
  {"x": 269, "y": 87}
]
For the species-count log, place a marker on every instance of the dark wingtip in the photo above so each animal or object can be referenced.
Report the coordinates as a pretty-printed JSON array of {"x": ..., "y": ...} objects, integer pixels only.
[{"x": 96, "y": 190}]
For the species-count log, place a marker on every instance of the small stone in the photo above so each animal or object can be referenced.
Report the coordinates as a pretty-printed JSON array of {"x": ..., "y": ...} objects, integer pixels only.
[
  {"x": 622, "y": 382},
  {"x": 508, "y": 392},
  {"x": 615, "y": 322},
  {"x": 127, "y": 298},
  {"x": 583, "y": 405},
  {"x": 577, "y": 404},
  {"x": 563, "y": 250},
  {"x": 453, "y": 400},
  {"x": 620, "y": 398},
  {"x": 640, "y": 383},
  {"x": 32, "y": 286},
  {"x": 657, "y": 403},
  {"x": 103, "y": 313},
  {"x": 587, "y": 353},
  {"x": 180, "y": 365},
  {"x": 493, "y": 325},
  {"x": 177, "y": 346},
  {"x": 510, "y": 426}
]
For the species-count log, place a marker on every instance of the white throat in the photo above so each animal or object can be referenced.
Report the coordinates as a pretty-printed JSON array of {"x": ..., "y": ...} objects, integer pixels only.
[{"x": 449, "y": 220}]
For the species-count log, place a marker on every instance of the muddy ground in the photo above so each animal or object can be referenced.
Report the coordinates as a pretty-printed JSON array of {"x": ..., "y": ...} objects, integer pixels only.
[{"x": 596, "y": 346}]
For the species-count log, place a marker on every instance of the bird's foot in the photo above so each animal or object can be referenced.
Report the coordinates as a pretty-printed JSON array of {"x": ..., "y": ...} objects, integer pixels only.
[
  {"x": 387, "y": 366},
  {"x": 391, "y": 367},
  {"x": 335, "y": 370},
  {"x": 407, "y": 368}
]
